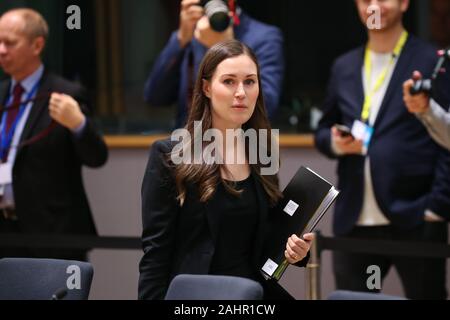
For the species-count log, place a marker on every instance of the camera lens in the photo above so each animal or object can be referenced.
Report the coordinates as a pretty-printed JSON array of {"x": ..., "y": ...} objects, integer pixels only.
[{"x": 217, "y": 13}]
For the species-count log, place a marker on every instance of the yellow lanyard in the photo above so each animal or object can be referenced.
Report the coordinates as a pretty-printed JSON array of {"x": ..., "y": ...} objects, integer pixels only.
[{"x": 368, "y": 72}]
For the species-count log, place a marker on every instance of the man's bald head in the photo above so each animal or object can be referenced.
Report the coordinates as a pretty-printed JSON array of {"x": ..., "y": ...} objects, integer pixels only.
[
  {"x": 23, "y": 33},
  {"x": 33, "y": 24}
]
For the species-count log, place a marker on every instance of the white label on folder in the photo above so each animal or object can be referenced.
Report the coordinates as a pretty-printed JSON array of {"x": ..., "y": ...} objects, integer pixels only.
[
  {"x": 291, "y": 207},
  {"x": 270, "y": 267}
]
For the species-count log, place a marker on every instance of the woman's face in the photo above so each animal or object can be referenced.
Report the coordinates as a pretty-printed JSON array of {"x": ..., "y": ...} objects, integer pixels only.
[{"x": 233, "y": 91}]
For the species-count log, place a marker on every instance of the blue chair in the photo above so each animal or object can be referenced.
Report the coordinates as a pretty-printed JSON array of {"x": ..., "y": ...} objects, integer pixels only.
[
  {"x": 354, "y": 295},
  {"x": 212, "y": 287},
  {"x": 44, "y": 279}
]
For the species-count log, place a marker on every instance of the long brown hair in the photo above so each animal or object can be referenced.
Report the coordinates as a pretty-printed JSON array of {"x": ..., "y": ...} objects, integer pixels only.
[{"x": 207, "y": 176}]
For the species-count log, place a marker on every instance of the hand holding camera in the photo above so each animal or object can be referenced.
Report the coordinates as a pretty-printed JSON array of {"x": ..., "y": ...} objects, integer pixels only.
[
  {"x": 418, "y": 102},
  {"x": 425, "y": 86},
  {"x": 209, "y": 21},
  {"x": 191, "y": 12},
  {"x": 207, "y": 36}
]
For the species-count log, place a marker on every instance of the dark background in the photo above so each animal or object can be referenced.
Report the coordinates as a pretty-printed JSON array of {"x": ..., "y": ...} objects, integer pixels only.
[{"x": 316, "y": 32}]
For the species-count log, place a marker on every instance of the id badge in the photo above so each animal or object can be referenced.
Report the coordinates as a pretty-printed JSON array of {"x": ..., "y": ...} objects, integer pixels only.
[
  {"x": 363, "y": 132},
  {"x": 5, "y": 174}
]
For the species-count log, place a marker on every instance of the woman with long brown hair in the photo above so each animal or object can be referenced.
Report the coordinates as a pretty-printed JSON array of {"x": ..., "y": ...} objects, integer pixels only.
[{"x": 208, "y": 214}]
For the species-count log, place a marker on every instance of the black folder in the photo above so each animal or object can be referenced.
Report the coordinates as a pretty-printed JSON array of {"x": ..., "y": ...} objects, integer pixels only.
[{"x": 305, "y": 200}]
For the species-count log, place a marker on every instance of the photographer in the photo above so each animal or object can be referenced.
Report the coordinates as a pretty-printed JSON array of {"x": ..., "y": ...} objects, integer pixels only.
[
  {"x": 173, "y": 74},
  {"x": 429, "y": 112}
]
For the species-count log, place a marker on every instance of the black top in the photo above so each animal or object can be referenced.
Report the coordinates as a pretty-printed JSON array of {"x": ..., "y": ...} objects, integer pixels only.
[{"x": 235, "y": 241}]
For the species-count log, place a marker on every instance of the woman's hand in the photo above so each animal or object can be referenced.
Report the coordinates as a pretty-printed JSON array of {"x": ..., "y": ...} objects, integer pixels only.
[{"x": 297, "y": 249}]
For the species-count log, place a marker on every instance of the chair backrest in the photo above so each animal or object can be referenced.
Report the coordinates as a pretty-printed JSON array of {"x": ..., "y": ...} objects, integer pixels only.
[
  {"x": 44, "y": 279},
  {"x": 354, "y": 295},
  {"x": 211, "y": 287}
]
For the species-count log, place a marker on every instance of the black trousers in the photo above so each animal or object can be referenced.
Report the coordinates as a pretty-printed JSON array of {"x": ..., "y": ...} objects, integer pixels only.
[
  {"x": 422, "y": 278},
  {"x": 10, "y": 226}
]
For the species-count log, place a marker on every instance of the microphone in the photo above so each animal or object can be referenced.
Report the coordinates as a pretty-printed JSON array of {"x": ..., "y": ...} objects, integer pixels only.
[{"x": 59, "y": 294}]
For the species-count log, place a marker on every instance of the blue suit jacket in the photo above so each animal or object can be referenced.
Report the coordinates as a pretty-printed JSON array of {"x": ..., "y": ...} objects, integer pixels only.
[
  {"x": 168, "y": 82},
  {"x": 410, "y": 172}
]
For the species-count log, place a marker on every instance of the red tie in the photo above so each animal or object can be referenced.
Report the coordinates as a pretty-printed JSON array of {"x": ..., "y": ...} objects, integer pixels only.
[{"x": 12, "y": 114}]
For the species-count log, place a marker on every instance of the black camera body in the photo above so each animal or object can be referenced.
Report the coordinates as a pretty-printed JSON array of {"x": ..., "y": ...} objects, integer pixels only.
[
  {"x": 422, "y": 86},
  {"x": 218, "y": 14},
  {"x": 426, "y": 85}
]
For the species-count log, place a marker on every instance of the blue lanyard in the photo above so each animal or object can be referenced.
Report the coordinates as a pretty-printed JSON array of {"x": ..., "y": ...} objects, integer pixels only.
[{"x": 7, "y": 137}]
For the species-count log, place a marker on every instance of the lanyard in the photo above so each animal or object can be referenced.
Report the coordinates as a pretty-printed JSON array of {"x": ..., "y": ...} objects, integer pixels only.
[
  {"x": 368, "y": 72},
  {"x": 7, "y": 137},
  {"x": 235, "y": 16}
]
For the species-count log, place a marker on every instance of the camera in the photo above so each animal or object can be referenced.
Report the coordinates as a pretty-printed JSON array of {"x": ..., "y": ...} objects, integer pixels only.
[
  {"x": 426, "y": 85},
  {"x": 422, "y": 86},
  {"x": 217, "y": 12}
]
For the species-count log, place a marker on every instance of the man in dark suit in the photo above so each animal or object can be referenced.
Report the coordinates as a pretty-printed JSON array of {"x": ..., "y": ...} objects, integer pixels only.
[
  {"x": 174, "y": 72},
  {"x": 395, "y": 186},
  {"x": 44, "y": 143}
]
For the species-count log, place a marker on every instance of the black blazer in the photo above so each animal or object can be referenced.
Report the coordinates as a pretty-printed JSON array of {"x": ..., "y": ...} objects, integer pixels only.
[
  {"x": 410, "y": 172},
  {"x": 47, "y": 182},
  {"x": 180, "y": 240}
]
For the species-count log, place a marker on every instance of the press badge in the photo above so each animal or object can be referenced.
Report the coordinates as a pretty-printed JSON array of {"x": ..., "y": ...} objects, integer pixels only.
[
  {"x": 5, "y": 173},
  {"x": 363, "y": 132}
]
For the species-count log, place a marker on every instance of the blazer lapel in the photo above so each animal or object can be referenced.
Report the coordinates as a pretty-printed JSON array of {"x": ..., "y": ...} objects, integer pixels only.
[
  {"x": 396, "y": 80},
  {"x": 357, "y": 82},
  {"x": 199, "y": 52},
  {"x": 38, "y": 107},
  {"x": 263, "y": 207},
  {"x": 212, "y": 206}
]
